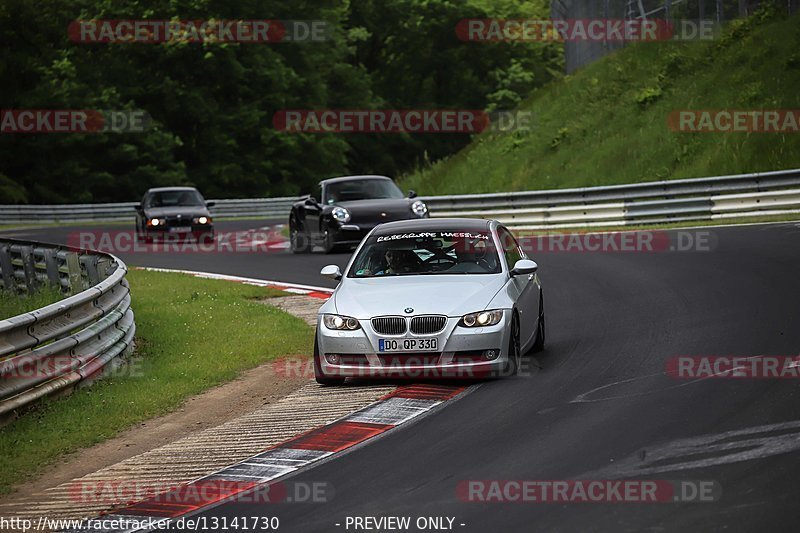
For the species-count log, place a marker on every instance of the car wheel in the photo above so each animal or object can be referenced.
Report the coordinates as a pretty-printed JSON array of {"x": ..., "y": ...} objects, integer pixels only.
[
  {"x": 513, "y": 362},
  {"x": 328, "y": 242},
  {"x": 321, "y": 378},
  {"x": 538, "y": 345},
  {"x": 298, "y": 240}
]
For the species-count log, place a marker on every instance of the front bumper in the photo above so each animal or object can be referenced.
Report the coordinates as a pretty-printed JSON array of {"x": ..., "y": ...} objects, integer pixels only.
[
  {"x": 172, "y": 234},
  {"x": 461, "y": 352},
  {"x": 350, "y": 233},
  {"x": 353, "y": 232}
]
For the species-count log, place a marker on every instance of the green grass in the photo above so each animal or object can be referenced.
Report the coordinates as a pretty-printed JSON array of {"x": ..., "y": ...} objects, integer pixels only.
[
  {"x": 12, "y": 304},
  {"x": 192, "y": 334},
  {"x": 607, "y": 124}
]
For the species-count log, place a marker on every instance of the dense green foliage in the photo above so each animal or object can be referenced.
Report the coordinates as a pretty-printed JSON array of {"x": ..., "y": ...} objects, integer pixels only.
[
  {"x": 608, "y": 124},
  {"x": 212, "y": 104}
]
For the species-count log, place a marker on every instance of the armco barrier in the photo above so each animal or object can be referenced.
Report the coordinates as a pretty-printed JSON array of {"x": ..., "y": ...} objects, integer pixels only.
[
  {"x": 54, "y": 348},
  {"x": 656, "y": 202},
  {"x": 33, "y": 214}
]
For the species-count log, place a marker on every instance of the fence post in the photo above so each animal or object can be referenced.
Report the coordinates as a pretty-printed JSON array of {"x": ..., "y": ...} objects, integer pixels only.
[
  {"x": 22, "y": 258},
  {"x": 6, "y": 269},
  {"x": 46, "y": 264},
  {"x": 89, "y": 267},
  {"x": 75, "y": 278}
]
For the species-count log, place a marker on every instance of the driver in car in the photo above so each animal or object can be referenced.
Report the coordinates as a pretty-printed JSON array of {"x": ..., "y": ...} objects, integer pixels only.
[
  {"x": 397, "y": 262},
  {"x": 479, "y": 256}
]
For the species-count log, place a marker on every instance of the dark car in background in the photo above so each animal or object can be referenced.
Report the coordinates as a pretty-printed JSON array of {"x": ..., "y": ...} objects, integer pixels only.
[
  {"x": 173, "y": 213},
  {"x": 343, "y": 210}
]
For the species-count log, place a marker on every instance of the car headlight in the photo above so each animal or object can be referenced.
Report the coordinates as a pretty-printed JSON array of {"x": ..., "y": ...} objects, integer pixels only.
[
  {"x": 482, "y": 318},
  {"x": 340, "y": 322},
  {"x": 157, "y": 222},
  {"x": 340, "y": 214},
  {"x": 201, "y": 220},
  {"x": 419, "y": 208}
]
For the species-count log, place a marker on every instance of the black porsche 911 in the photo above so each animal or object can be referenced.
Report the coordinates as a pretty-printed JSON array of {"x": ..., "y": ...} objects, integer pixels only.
[
  {"x": 343, "y": 210},
  {"x": 173, "y": 213}
]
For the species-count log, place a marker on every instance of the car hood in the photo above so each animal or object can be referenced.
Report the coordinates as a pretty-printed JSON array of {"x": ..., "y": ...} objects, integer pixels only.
[
  {"x": 440, "y": 294},
  {"x": 192, "y": 211},
  {"x": 395, "y": 209}
]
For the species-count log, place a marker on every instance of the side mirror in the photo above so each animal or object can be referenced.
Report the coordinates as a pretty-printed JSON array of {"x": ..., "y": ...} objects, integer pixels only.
[
  {"x": 412, "y": 194},
  {"x": 311, "y": 201},
  {"x": 331, "y": 271},
  {"x": 138, "y": 207},
  {"x": 523, "y": 267},
  {"x": 211, "y": 204}
]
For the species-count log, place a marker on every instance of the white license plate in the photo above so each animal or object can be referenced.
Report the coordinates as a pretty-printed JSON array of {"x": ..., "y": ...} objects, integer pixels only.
[
  {"x": 407, "y": 345},
  {"x": 182, "y": 229}
]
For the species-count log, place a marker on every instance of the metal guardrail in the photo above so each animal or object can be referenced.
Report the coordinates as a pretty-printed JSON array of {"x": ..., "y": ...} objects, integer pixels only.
[
  {"x": 657, "y": 202},
  {"x": 766, "y": 193},
  {"x": 33, "y": 214},
  {"x": 54, "y": 348}
]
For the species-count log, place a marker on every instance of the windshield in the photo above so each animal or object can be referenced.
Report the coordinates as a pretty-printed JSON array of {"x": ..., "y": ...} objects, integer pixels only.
[
  {"x": 412, "y": 254},
  {"x": 346, "y": 191},
  {"x": 185, "y": 198}
]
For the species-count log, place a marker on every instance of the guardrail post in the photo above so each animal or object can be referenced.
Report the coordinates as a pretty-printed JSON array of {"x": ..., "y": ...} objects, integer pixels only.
[
  {"x": 69, "y": 270},
  {"x": 6, "y": 269},
  {"x": 89, "y": 264},
  {"x": 24, "y": 269},
  {"x": 46, "y": 266},
  {"x": 105, "y": 267}
]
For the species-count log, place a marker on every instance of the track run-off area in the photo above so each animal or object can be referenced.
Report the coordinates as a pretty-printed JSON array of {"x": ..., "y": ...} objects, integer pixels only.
[{"x": 598, "y": 404}]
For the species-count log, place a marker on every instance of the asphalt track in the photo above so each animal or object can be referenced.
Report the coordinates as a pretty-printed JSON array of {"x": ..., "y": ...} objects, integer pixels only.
[{"x": 596, "y": 404}]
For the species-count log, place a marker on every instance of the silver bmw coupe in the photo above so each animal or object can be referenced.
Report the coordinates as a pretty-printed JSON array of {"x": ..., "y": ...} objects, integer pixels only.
[{"x": 432, "y": 298}]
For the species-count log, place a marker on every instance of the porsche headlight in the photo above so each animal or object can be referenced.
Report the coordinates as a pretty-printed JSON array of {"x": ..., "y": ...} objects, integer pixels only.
[
  {"x": 419, "y": 208},
  {"x": 482, "y": 318},
  {"x": 340, "y": 322},
  {"x": 340, "y": 214}
]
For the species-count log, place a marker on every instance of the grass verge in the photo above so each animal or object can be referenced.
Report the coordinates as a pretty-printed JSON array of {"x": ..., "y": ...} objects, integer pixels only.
[
  {"x": 192, "y": 334},
  {"x": 608, "y": 123},
  {"x": 12, "y": 304}
]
